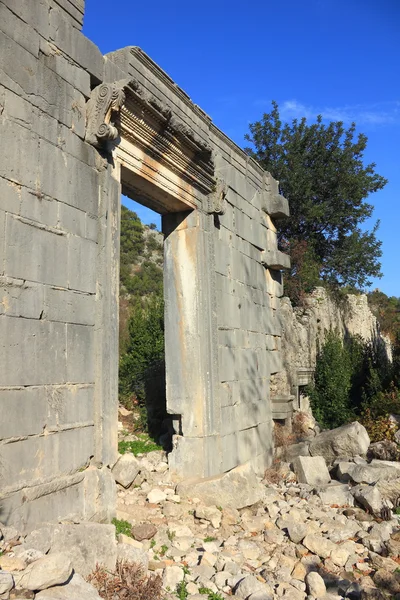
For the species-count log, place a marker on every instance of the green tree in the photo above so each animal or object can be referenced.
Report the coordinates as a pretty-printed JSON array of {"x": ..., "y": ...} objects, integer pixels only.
[
  {"x": 330, "y": 393},
  {"x": 131, "y": 244},
  {"x": 321, "y": 172},
  {"x": 145, "y": 348}
]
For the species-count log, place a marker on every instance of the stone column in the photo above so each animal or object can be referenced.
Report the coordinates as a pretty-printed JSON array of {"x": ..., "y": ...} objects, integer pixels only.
[{"x": 191, "y": 344}]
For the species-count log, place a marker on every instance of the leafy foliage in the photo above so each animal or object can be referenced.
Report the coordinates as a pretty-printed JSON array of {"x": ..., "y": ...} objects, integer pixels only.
[
  {"x": 321, "y": 172},
  {"x": 387, "y": 311},
  {"x": 141, "y": 314},
  {"x": 137, "y": 447},
  {"x": 355, "y": 379},
  {"x": 122, "y": 526},
  {"x": 145, "y": 348},
  {"x": 331, "y": 391}
]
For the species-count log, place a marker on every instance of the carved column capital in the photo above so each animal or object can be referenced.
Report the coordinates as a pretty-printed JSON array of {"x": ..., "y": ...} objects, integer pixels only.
[
  {"x": 217, "y": 199},
  {"x": 102, "y": 110}
]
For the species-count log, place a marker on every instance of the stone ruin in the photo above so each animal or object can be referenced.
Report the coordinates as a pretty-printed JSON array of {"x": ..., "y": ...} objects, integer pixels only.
[{"x": 77, "y": 129}]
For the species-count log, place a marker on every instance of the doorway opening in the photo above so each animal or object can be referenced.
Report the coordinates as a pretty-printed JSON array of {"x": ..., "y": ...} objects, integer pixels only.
[{"x": 142, "y": 385}]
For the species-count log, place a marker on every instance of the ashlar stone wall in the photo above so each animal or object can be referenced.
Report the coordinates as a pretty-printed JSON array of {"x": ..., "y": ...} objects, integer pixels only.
[{"x": 59, "y": 265}]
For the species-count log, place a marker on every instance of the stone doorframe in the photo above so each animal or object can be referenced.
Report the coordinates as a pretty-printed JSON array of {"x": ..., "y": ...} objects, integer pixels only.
[{"x": 159, "y": 162}]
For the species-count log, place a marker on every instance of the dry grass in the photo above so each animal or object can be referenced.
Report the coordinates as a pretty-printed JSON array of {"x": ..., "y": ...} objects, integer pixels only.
[
  {"x": 128, "y": 582},
  {"x": 273, "y": 474}
]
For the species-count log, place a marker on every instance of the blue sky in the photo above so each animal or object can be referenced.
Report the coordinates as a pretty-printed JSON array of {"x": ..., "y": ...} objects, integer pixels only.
[{"x": 339, "y": 58}]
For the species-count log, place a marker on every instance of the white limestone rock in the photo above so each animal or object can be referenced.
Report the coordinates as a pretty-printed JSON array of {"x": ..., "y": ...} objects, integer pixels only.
[
  {"x": 125, "y": 469},
  {"x": 311, "y": 470},
  {"x": 315, "y": 585},
  {"x": 51, "y": 570},
  {"x": 6, "y": 582},
  {"x": 236, "y": 489},
  {"x": 75, "y": 589},
  {"x": 171, "y": 577},
  {"x": 156, "y": 496},
  {"x": 348, "y": 440}
]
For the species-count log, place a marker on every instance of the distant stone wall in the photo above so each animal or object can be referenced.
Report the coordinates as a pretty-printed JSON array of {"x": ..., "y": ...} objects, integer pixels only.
[{"x": 304, "y": 330}]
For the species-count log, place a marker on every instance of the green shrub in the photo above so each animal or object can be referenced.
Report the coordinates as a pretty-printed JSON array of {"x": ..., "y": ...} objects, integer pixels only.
[
  {"x": 330, "y": 393},
  {"x": 122, "y": 526},
  {"x": 137, "y": 447}
]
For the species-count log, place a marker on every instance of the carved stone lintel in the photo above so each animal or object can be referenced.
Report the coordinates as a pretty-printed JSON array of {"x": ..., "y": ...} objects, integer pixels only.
[
  {"x": 217, "y": 200},
  {"x": 102, "y": 109}
]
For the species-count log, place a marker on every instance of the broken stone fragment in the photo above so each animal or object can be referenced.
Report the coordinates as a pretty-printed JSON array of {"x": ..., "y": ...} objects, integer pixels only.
[
  {"x": 126, "y": 469},
  {"x": 311, "y": 470},
  {"x": 51, "y": 570},
  {"x": 77, "y": 587},
  {"x": 236, "y": 489},
  {"x": 348, "y": 440},
  {"x": 144, "y": 531}
]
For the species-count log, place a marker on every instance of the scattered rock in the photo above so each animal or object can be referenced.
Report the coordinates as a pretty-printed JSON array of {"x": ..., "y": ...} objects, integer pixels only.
[
  {"x": 251, "y": 585},
  {"x": 76, "y": 589},
  {"x": 236, "y": 489},
  {"x": 86, "y": 545},
  {"x": 51, "y": 570},
  {"x": 144, "y": 531},
  {"x": 156, "y": 496},
  {"x": 6, "y": 582},
  {"x": 348, "y": 440},
  {"x": 311, "y": 470},
  {"x": 315, "y": 585},
  {"x": 125, "y": 469},
  {"x": 384, "y": 450},
  {"x": 129, "y": 553}
]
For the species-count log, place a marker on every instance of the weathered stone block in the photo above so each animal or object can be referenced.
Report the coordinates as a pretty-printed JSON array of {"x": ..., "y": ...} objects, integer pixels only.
[
  {"x": 311, "y": 470},
  {"x": 81, "y": 258},
  {"x": 39, "y": 346},
  {"x": 349, "y": 440},
  {"x": 31, "y": 452},
  {"x": 13, "y": 164},
  {"x": 35, "y": 253},
  {"x": 68, "y": 306},
  {"x": 80, "y": 353},
  {"x": 236, "y": 489},
  {"x": 86, "y": 544},
  {"x": 30, "y": 410},
  {"x": 77, "y": 46},
  {"x": 33, "y": 14},
  {"x": 72, "y": 219},
  {"x": 68, "y": 179},
  {"x": 126, "y": 469}
]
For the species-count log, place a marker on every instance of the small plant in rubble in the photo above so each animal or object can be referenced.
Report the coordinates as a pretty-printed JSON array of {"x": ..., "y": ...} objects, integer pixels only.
[{"x": 129, "y": 581}]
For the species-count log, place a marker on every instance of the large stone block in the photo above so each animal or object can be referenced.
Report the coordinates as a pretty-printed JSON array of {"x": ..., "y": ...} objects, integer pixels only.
[
  {"x": 72, "y": 219},
  {"x": 68, "y": 306},
  {"x": 33, "y": 14},
  {"x": 31, "y": 410},
  {"x": 81, "y": 260},
  {"x": 100, "y": 494},
  {"x": 32, "y": 352},
  {"x": 86, "y": 544},
  {"x": 65, "y": 453},
  {"x": 20, "y": 31},
  {"x": 67, "y": 179},
  {"x": 74, "y": 44},
  {"x": 75, "y": 76},
  {"x": 35, "y": 253},
  {"x": 16, "y": 165},
  {"x": 349, "y": 440},
  {"x": 80, "y": 353},
  {"x": 73, "y": 10},
  {"x": 311, "y": 470},
  {"x": 10, "y": 196},
  {"x": 236, "y": 489}
]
